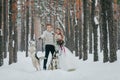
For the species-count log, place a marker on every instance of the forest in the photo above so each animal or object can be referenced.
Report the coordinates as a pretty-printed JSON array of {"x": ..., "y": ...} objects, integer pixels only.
[{"x": 89, "y": 26}]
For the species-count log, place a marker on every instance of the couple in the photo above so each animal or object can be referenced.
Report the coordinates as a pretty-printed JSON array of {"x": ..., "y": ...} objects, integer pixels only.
[{"x": 54, "y": 43}]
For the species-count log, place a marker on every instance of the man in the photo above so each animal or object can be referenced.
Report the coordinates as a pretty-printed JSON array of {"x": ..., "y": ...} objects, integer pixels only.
[{"x": 48, "y": 38}]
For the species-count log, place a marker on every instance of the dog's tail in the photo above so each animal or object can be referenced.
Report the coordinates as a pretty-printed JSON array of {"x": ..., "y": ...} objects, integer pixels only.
[{"x": 36, "y": 56}]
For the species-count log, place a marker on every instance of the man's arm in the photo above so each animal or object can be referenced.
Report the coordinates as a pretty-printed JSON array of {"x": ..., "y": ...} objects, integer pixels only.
[{"x": 42, "y": 36}]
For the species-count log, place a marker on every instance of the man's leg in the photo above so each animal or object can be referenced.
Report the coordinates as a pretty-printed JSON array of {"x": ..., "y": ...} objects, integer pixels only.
[
  {"x": 47, "y": 50},
  {"x": 52, "y": 49}
]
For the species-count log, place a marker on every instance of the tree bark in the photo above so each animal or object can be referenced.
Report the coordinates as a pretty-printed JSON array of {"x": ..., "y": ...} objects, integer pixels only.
[
  {"x": 32, "y": 20},
  {"x": 22, "y": 46},
  {"x": 105, "y": 31},
  {"x": 15, "y": 33},
  {"x": 85, "y": 30},
  {"x": 95, "y": 33},
  {"x": 10, "y": 33},
  {"x": 112, "y": 32},
  {"x": 66, "y": 25},
  {"x": 90, "y": 27},
  {"x": 5, "y": 28},
  {"x": 76, "y": 39},
  {"x": 27, "y": 27},
  {"x": 1, "y": 35}
]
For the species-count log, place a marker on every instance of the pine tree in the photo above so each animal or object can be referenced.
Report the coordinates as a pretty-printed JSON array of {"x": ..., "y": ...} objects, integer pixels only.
[
  {"x": 32, "y": 20},
  {"x": 85, "y": 30},
  {"x": 76, "y": 40},
  {"x": 5, "y": 28},
  {"x": 22, "y": 45},
  {"x": 112, "y": 32},
  {"x": 118, "y": 17},
  {"x": 104, "y": 31},
  {"x": 95, "y": 26},
  {"x": 10, "y": 33},
  {"x": 90, "y": 26},
  {"x": 1, "y": 34},
  {"x": 27, "y": 26},
  {"x": 72, "y": 23},
  {"x": 67, "y": 23},
  {"x": 79, "y": 24},
  {"x": 15, "y": 36}
]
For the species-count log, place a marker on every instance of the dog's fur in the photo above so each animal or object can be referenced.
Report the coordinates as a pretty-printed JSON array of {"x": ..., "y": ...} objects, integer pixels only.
[
  {"x": 35, "y": 60},
  {"x": 54, "y": 64}
]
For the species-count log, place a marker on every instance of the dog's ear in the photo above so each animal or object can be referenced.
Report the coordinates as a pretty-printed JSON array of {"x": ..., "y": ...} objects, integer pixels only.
[
  {"x": 33, "y": 39},
  {"x": 30, "y": 43}
]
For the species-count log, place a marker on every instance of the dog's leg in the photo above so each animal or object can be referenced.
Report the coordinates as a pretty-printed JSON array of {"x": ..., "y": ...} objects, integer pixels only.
[
  {"x": 35, "y": 65},
  {"x": 50, "y": 67},
  {"x": 38, "y": 64}
]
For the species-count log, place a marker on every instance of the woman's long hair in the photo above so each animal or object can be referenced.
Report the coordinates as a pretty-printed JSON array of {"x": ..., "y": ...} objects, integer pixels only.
[{"x": 60, "y": 33}]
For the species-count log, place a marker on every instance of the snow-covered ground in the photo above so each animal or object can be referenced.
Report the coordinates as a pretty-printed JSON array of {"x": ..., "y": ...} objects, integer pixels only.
[{"x": 88, "y": 70}]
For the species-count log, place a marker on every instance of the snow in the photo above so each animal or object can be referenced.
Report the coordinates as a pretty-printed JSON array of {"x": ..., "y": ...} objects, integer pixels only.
[{"x": 88, "y": 70}]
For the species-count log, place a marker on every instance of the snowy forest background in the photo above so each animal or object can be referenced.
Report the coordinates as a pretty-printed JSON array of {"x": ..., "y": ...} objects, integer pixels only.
[{"x": 24, "y": 20}]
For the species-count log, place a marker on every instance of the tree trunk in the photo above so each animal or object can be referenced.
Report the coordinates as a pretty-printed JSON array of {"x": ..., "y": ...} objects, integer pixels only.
[
  {"x": 10, "y": 33},
  {"x": 72, "y": 45},
  {"x": 90, "y": 27},
  {"x": 5, "y": 28},
  {"x": 85, "y": 31},
  {"x": 76, "y": 40},
  {"x": 15, "y": 33},
  {"x": 100, "y": 27},
  {"x": 15, "y": 44},
  {"x": 119, "y": 26},
  {"x": 1, "y": 34},
  {"x": 80, "y": 39},
  {"x": 22, "y": 46},
  {"x": 71, "y": 34},
  {"x": 118, "y": 36},
  {"x": 79, "y": 23},
  {"x": 105, "y": 31},
  {"x": 95, "y": 26},
  {"x": 32, "y": 20},
  {"x": 66, "y": 25},
  {"x": 14, "y": 30},
  {"x": 32, "y": 28},
  {"x": 112, "y": 32},
  {"x": 27, "y": 27}
]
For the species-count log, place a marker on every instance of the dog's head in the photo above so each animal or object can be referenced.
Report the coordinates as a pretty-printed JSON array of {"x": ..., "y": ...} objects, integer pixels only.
[
  {"x": 32, "y": 47},
  {"x": 32, "y": 43}
]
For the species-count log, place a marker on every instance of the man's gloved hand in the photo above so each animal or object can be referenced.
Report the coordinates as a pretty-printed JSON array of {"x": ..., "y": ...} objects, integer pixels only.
[{"x": 39, "y": 38}]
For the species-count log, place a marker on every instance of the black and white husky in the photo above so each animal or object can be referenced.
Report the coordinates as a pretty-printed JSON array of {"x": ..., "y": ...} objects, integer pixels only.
[
  {"x": 54, "y": 63},
  {"x": 35, "y": 59}
]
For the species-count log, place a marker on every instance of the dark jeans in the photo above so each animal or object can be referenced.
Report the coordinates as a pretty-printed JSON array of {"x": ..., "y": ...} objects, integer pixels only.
[{"x": 48, "y": 49}]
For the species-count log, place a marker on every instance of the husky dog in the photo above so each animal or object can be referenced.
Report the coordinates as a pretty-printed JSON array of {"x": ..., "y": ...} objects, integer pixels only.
[
  {"x": 54, "y": 64},
  {"x": 35, "y": 59}
]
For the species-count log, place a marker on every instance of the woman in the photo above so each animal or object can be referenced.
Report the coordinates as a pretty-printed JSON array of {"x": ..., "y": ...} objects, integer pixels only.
[
  {"x": 67, "y": 60},
  {"x": 59, "y": 39}
]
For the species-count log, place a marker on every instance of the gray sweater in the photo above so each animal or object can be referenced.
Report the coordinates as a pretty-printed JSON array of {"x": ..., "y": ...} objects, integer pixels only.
[{"x": 48, "y": 37}]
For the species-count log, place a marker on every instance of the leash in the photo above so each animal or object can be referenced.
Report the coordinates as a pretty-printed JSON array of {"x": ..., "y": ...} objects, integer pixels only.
[
  {"x": 36, "y": 56},
  {"x": 36, "y": 51},
  {"x": 62, "y": 48}
]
